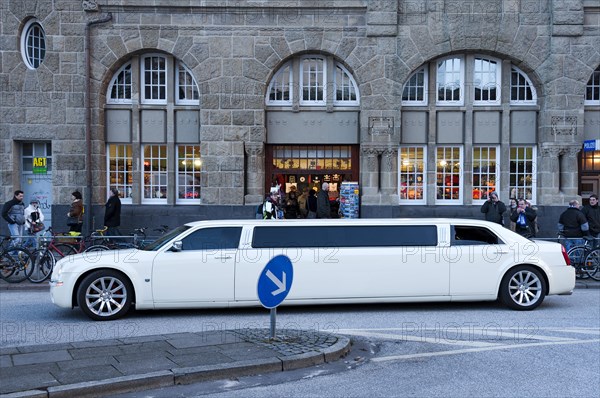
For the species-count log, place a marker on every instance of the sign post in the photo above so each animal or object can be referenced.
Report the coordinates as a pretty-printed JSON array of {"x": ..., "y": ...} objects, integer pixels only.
[{"x": 274, "y": 284}]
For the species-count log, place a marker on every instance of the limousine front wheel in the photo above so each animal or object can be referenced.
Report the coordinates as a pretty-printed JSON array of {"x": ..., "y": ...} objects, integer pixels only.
[
  {"x": 105, "y": 295},
  {"x": 523, "y": 288}
]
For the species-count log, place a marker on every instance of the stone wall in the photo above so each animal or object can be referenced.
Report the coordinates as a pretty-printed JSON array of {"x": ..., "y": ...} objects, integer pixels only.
[{"x": 234, "y": 47}]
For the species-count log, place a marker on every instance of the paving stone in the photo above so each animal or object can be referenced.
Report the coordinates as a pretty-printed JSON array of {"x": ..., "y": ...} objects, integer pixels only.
[
  {"x": 145, "y": 347},
  {"x": 88, "y": 373},
  {"x": 86, "y": 362},
  {"x": 142, "y": 339},
  {"x": 96, "y": 343},
  {"x": 44, "y": 347},
  {"x": 80, "y": 353},
  {"x": 26, "y": 381},
  {"x": 9, "y": 350},
  {"x": 41, "y": 357},
  {"x": 193, "y": 350},
  {"x": 197, "y": 341},
  {"x": 138, "y": 367},
  {"x": 5, "y": 361}
]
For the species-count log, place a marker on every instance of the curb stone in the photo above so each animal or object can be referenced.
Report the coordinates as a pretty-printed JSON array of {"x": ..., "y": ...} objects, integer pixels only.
[{"x": 187, "y": 375}]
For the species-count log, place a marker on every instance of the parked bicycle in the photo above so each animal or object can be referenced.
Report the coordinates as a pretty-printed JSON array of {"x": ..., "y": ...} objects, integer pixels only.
[
  {"x": 52, "y": 247},
  {"x": 15, "y": 262},
  {"x": 586, "y": 259},
  {"x": 138, "y": 239}
]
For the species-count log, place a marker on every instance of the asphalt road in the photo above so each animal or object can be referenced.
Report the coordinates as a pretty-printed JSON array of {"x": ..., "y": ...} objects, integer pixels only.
[{"x": 478, "y": 349}]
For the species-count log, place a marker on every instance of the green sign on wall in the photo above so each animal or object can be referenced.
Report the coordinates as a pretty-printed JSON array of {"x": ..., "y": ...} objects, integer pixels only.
[{"x": 40, "y": 166}]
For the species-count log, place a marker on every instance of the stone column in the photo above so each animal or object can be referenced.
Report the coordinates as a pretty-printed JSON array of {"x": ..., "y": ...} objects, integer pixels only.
[
  {"x": 568, "y": 171},
  {"x": 369, "y": 174},
  {"x": 255, "y": 172},
  {"x": 548, "y": 174},
  {"x": 389, "y": 175}
]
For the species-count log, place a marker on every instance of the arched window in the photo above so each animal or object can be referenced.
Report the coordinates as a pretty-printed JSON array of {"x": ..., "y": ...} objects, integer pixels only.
[
  {"x": 280, "y": 89},
  {"x": 415, "y": 89},
  {"x": 312, "y": 81},
  {"x": 33, "y": 44},
  {"x": 119, "y": 89},
  {"x": 317, "y": 86},
  {"x": 346, "y": 91},
  {"x": 592, "y": 90},
  {"x": 486, "y": 81},
  {"x": 522, "y": 91},
  {"x": 170, "y": 157},
  {"x": 187, "y": 89},
  {"x": 450, "y": 81}
]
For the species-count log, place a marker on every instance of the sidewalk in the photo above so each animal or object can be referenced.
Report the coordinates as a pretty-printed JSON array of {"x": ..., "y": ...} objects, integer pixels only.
[{"x": 105, "y": 367}]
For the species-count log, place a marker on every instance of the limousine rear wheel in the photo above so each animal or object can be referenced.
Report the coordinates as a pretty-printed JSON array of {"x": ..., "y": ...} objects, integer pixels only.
[
  {"x": 523, "y": 288},
  {"x": 105, "y": 295}
]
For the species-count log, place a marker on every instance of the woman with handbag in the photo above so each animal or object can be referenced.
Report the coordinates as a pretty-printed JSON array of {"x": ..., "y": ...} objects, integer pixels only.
[
  {"x": 75, "y": 214},
  {"x": 34, "y": 222}
]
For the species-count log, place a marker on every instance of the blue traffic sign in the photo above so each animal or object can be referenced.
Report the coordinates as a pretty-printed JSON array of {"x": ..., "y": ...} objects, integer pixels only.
[{"x": 275, "y": 281}]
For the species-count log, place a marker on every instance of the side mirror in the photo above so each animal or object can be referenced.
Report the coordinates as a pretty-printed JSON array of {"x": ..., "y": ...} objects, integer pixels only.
[{"x": 177, "y": 246}]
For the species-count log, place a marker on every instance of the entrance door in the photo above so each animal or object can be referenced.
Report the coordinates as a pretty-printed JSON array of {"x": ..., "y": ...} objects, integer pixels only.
[
  {"x": 589, "y": 186},
  {"x": 36, "y": 176}
]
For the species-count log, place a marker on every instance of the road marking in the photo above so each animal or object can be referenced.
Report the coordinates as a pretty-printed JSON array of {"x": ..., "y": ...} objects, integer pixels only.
[
  {"x": 476, "y": 350},
  {"x": 422, "y": 339}
]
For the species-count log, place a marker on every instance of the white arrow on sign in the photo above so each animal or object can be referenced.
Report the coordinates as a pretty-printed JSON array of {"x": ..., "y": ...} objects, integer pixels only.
[{"x": 280, "y": 284}]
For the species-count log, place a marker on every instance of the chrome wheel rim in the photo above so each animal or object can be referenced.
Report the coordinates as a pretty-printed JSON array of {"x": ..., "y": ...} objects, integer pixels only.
[
  {"x": 106, "y": 296},
  {"x": 525, "y": 288}
]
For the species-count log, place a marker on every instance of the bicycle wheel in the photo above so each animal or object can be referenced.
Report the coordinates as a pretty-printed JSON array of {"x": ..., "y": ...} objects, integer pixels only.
[
  {"x": 61, "y": 250},
  {"x": 577, "y": 256},
  {"x": 17, "y": 265},
  {"x": 96, "y": 248},
  {"x": 43, "y": 263},
  {"x": 592, "y": 264}
]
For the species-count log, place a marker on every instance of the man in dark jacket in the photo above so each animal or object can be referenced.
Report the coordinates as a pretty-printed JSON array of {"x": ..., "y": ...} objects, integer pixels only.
[
  {"x": 13, "y": 212},
  {"x": 573, "y": 224},
  {"x": 523, "y": 217},
  {"x": 112, "y": 213},
  {"x": 323, "y": 206},
  {"x": 592, "y": 213},
  {"x": 494, "y": 209}
]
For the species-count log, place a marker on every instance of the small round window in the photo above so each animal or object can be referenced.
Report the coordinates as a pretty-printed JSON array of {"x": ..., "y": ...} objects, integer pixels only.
[{"x": 33, "y": 44}]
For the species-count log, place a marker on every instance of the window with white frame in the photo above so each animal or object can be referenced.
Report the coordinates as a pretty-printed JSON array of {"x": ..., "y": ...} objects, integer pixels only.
[
  {"x": 312, "y": 81},
  {"x": 522, "y": 177},
  {"x": 346, "y": 92},
  {"x": 146, "y": 87},
  {"x": 120, "y": 170},
  {"x": 485, "y": 171},
  {"x": 592, "y": 90},
  {"x": 187, "y": 89},
  {"x": 486, "y": 82},
  {"x": 280, "y": 88},
  {"x": 522, "y": 91},
  {"x": 33, "y": 44},
  {"x": 119, "y": 89},
  {"x": 448, "y": 162},
  {"x": 412, "y": 174},
  {"x": 154, "y": 79},
  {"x": 450, "y": 81},
  {"x": 189, "y": 166},
  {"x": 317, "y": 85},
  {"x": 155, "y": 173},
  {"x": 415, "y": 88}
]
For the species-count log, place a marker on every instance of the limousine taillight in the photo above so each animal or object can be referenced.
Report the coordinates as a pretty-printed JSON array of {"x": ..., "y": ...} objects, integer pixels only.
[{"x": 565, "y": 255}]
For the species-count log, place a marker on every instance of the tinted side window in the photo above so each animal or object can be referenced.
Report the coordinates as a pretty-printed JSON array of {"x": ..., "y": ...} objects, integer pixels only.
[
  {"x": 213, "y": 238},
  {"x": 344, "y": 236},
  {"x": 463, "y": 235}
]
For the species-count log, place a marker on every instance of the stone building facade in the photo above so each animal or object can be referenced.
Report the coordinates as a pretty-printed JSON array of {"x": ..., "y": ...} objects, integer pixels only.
[{"x": 428, "y": 104}]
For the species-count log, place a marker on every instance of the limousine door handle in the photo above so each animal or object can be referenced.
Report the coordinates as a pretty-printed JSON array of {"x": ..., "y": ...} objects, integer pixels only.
[{"x": 223, "y": 257}]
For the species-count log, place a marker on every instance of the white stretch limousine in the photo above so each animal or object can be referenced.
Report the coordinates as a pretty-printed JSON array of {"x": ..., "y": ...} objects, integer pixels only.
[{"x": 217, "y": 264}]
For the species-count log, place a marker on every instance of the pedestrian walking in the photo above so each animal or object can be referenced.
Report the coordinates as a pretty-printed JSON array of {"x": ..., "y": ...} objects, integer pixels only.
[
  {"x": 75, "y": 214},
  {"x": 112, "y": 213},
  {"x": 13, "y": 212},
  {"x": 323, "y": 206}
]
